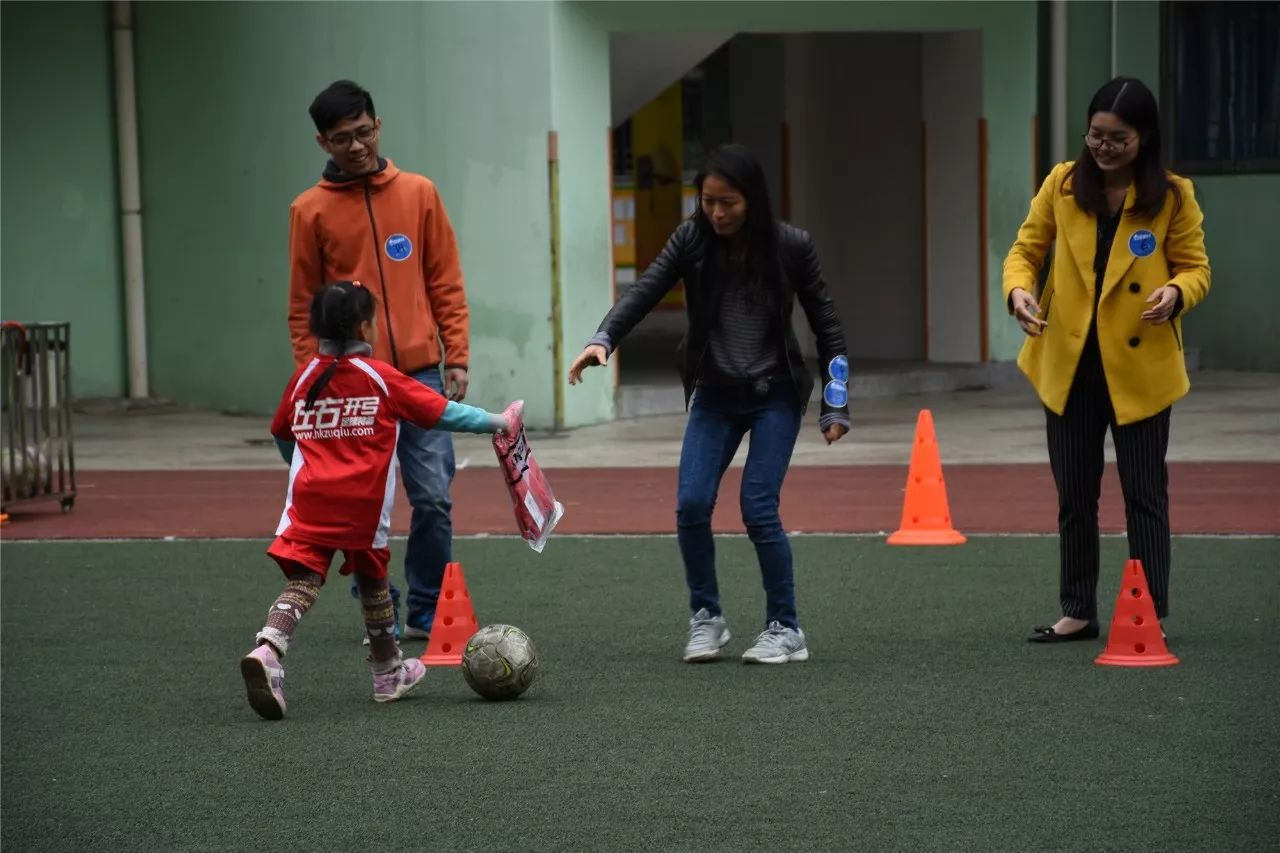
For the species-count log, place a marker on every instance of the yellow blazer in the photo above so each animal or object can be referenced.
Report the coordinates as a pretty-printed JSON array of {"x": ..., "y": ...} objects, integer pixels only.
[{"x": 1144, "y": 364}]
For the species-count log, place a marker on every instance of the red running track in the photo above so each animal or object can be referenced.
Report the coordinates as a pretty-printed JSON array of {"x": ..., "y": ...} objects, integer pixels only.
[{"x": 1205, "y": 498}]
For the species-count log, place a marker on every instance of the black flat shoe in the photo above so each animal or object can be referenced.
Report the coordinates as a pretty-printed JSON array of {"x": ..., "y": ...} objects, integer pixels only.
[{"x": 1046, "y": 634}]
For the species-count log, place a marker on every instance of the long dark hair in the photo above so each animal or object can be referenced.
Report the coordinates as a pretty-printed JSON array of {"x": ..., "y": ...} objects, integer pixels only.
[
  {"x": 337, "y": 310},
  {"x": 1132, "y": 102},
  {"x": 738, "y": 166}
]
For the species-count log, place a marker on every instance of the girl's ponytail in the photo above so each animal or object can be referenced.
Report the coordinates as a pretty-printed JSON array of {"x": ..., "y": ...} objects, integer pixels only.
[{"x": 337, "y": 310}]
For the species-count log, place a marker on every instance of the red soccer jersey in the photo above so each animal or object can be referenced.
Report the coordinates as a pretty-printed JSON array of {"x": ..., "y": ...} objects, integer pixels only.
[{"x": 342, "y": 482}]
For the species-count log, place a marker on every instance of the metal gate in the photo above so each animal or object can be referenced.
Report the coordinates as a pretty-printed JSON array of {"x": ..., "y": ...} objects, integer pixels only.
[{"x": 36, "y": 457}]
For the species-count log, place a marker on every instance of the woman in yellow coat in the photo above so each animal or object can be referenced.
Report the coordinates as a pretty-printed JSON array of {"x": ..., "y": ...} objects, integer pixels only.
[{"x": 1104, "y": 345}]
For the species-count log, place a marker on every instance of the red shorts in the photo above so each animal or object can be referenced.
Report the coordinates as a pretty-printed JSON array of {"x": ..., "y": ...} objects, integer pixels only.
[{"x": 293, "y": 556}]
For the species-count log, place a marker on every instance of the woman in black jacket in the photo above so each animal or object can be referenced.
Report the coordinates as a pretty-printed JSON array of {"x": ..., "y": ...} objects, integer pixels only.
[{"x": 743, "y": 372}]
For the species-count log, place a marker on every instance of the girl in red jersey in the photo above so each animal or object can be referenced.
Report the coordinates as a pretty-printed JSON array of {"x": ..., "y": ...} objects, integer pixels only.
[{"x": 343, "y": 410}]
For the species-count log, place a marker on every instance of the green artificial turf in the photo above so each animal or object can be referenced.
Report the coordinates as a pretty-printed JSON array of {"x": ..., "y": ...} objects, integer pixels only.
[{"x": 922, "y": 721}]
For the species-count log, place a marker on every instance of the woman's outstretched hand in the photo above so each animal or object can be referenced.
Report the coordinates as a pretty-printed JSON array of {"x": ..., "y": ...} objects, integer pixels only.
[{"x": 590, "y": 357}]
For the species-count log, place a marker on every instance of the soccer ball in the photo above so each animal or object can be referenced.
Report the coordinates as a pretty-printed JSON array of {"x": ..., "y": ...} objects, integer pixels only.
[{"x": 500, "y": 662}]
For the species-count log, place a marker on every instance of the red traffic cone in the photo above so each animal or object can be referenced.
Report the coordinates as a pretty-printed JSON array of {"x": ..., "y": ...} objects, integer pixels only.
[
  {"x": 926, "y": 520},
  {"x": 1135, "y": 638},
  {"x": 454, "y": 623}
]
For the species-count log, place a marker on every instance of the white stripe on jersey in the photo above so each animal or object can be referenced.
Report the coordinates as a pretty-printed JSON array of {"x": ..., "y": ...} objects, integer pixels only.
[
  {"x": 367, "y": 368},
  {"x": 303, "y": 376},
  {"x": 388, "y": 496},
  {"x": 294, "y": 468},
  {"x": 296, "y": 464}
]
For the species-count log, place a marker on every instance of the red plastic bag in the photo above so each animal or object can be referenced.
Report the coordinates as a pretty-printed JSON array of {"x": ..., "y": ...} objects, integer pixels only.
[{"x": 537, "y": 510}]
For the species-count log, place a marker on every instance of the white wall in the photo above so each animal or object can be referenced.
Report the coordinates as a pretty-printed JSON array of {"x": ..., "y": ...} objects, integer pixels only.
[
  {"x": 642, "y": 65},
  {"x": 952, "y": 77},
  {"x": 853, "y": 102}
]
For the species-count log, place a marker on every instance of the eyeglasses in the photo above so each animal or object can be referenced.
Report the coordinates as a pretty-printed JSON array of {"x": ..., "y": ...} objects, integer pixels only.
[
  {"x": 1098, "y": 143},
  {"x": 365, "y": 133}
]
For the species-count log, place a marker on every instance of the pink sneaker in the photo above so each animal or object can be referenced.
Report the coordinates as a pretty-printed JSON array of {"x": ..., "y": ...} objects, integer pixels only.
[
  {"x": 264, "y": 681},
  {"x": 390, "y": 686}
]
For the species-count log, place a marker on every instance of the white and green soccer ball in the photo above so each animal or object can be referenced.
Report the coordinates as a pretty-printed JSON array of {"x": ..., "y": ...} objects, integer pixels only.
[{"x": 500, "y": 662}]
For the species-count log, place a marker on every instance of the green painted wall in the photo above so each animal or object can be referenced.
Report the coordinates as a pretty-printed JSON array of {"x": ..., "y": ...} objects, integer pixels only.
[
  {"x": 580, "y": 117},
  {"x": 1238, "y": 326},
  {"x": 464, "y": 93},
  {"x": 1088, "y": 64},
  {"x": 59, "y": 233},
  {"x": 1138, "y": 40}
]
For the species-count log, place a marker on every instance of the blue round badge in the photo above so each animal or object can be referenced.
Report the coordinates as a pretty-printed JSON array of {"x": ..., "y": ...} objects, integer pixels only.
[
  {"x": 399, "y": 247},
  {"x": 836, "y": 393},
  {"x": 1142, "y": 243},
  {"x": 839, "y": 368}
]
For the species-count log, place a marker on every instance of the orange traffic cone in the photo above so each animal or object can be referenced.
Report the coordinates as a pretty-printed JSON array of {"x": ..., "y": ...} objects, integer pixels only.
[
  {"x": 925, "y": 517},
  {"x": 1135, "y": 638},
  {"x": 455, "y": 620}
]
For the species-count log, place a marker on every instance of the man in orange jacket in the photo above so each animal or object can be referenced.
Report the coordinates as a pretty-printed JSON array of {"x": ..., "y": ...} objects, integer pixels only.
[{"x": 368, "y": 221}]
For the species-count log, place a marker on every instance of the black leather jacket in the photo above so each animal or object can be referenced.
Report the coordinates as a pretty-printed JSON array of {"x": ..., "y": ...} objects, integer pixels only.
[{"x": 683, "y": 259}]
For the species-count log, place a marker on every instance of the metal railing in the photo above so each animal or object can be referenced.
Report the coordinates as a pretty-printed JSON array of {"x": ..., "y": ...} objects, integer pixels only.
[{"x": 37, "y": 462}]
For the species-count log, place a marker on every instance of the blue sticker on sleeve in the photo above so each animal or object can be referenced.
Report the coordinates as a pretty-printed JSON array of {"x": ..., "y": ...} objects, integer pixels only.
[
  {"x": 398, "y": 247},
  {"x": 1142, "y": 243},
  {"x": 835, "y": 394},
  {"x": 839, "y": 368}
]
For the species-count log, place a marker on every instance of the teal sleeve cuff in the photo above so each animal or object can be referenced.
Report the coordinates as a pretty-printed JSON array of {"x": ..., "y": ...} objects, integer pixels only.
[{"x": 459, "y": 417}]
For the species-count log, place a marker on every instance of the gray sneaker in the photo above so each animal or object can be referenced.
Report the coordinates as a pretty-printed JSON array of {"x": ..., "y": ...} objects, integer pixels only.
[
  {"x": 777, "y": 644},
  {"x": 707, "y": 636}
]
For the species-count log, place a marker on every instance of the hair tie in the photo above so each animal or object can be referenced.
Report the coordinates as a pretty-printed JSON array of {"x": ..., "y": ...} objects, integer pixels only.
[{"x": 357, "y": 284}]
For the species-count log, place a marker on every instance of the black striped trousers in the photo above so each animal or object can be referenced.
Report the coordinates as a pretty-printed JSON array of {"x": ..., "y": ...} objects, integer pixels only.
[{"x": 1076, "y": 440}]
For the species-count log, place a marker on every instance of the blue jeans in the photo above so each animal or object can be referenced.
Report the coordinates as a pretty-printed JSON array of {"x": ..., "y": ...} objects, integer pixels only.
[
  {"x": 427, "y": 468},
  {"x": 718, "y": 419}
]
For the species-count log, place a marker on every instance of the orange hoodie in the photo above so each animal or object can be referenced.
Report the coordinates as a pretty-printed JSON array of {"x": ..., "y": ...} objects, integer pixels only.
[{"x": 389, "y": 231}]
